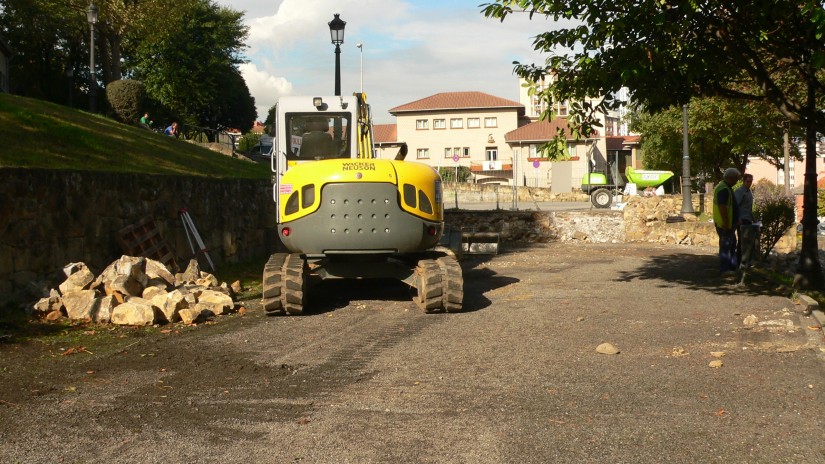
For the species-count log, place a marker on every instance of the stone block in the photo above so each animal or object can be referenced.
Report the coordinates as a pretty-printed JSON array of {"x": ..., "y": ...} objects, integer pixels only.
[{"x": 135, "y": 311}]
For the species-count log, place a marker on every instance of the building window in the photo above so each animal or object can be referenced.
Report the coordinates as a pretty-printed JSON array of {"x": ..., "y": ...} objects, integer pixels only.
[
  {"x": 473, "y": 123},
  {"x": 490, "y": 122},
  {"x": 561, "y": 109},
  {"x": 611, "y": 126},
  {"x": 422, "y": 153},
  {"x": 456, "y": 123},
  {"x": 538, "y": 105},
  {"x": 534, "y": 151},
  {"x": 422, "y": 124},
  {"x": 466, "y": 152},
  {"x": 448, "y": 152},
  {"x": 491, "y": 154},
  {"x": 439, "y": 123}
]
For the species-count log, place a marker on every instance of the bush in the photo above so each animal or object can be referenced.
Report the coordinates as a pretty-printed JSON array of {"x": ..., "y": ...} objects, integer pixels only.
[
  {"x": 449, "y": 174},
  {"x": 249, "y": 140},
  {"x": 125, "y": 97},
  {"x": 776, "y": 211}
]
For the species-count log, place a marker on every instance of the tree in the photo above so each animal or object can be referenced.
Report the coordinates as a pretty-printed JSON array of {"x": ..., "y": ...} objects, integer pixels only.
[
  {"x": 667, "y": 51},
  {"x": 47, "y": 38},
  {"x": 186, "y": 65},
  {"x": 723, "y": 133}
]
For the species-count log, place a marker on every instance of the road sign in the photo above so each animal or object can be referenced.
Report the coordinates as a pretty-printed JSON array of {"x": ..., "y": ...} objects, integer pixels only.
[
  {"x": 536, "y": 163},
  {"x": 455, "y": 158}
]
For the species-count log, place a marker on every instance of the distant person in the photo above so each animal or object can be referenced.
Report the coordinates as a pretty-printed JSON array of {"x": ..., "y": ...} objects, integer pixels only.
[
  {"x": 172, "y": 130},
  {"x": 725, "y": 219},
  {"x": 743, "y": 196},
  {"x": 145, "y": 122}
]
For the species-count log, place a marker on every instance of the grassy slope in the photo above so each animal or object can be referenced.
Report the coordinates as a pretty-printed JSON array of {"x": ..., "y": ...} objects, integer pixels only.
[{"x": 38, "y": 134}]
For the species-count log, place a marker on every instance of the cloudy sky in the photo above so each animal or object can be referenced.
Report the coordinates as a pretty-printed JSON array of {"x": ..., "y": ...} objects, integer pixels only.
[{"x": 411, "y": 49}]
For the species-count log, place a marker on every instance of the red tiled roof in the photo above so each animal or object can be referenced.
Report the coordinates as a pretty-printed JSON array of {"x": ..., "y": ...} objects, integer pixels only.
[
  {"x": 539, "y": 131},
  {"x": 619, "y": 143},
  {"x": 385, "y": 133},
  {"x": 457, "y": 100}
]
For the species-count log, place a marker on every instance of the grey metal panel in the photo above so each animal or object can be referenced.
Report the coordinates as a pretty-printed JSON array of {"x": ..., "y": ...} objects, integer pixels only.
[{"x": 358, "y": 217}]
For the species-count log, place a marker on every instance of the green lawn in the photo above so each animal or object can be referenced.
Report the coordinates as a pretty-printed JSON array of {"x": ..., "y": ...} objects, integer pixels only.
[{"x": 39, "y": 134}]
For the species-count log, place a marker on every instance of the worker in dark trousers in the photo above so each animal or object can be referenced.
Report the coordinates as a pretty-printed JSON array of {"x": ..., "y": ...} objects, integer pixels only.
[{"x": 725, "y": 218}]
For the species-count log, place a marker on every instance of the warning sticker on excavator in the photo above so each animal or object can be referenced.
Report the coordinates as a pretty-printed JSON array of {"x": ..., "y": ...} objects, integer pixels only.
[{"x": 285, "y": 189}]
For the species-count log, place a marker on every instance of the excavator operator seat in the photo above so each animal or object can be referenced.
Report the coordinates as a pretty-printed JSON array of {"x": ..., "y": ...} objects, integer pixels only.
[{"x": 317, "y": 141}]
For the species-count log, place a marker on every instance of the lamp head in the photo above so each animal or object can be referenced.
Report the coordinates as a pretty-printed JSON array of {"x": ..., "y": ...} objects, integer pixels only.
[
  {"x": 91, "y": 14},
  {"x": 336, "y": 30}
]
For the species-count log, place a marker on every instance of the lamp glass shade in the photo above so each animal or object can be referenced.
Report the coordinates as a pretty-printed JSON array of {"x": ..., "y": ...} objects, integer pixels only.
[
  {"x": 336, "y": 30},
  {"x": 91, "y": 13}
]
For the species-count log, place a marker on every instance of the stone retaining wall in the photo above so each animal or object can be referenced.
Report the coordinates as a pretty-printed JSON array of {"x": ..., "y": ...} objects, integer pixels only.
[{"x": 51, "y": 218}]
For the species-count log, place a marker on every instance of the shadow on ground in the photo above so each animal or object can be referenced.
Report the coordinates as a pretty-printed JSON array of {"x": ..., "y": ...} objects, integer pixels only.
[{"x": 698, "y": 272}]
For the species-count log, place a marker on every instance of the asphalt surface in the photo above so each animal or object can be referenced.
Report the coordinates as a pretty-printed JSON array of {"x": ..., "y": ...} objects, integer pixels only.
[{"x": 516, "y": 378}]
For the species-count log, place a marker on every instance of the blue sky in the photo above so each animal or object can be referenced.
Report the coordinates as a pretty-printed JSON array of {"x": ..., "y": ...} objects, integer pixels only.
[{"x": 411, "y": 49}]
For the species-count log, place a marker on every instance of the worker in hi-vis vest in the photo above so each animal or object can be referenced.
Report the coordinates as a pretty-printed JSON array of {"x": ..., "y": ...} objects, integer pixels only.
[{"x": 725, "y": 218}]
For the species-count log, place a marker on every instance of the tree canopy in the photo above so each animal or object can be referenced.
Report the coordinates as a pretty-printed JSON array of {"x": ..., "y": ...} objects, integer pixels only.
[
  {"x": 186, "y": 54},
  {"x": 667, "y": 51},
  {"x": 723, "y": 133}
]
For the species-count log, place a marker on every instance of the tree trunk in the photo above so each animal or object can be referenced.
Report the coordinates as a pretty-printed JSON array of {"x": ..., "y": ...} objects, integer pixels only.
[{"x": 809, "y": 271}]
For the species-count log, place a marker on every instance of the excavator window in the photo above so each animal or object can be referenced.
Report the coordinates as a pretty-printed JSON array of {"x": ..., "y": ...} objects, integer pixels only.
[
  {"x": 313, "y": 136},
  {"x": 410, "y": 195},
  {"x": 424, "y": 203},
  {"x": 307, "y": 195}
]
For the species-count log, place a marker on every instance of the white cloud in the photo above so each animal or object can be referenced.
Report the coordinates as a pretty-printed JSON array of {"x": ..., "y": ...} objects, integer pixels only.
[
  {"x": 265, "y": 87},
  {"x": 411, "y": 49}
]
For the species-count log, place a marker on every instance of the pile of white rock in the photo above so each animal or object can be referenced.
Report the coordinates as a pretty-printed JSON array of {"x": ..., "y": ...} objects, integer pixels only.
[{"x": 138, "y": 291}]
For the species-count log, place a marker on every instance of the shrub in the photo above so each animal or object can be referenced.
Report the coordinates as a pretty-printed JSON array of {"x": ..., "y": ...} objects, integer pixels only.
[
  {"x": 249, "y": 140},
  {"x": 125, "y": 97},
  {"x": 776, "y": 211},
  {"x": 449, "y": 174}
]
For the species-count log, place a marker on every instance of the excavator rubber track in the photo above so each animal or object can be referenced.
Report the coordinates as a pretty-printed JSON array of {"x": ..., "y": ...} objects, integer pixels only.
[
  {"x": 440, "y": 285},
  {"x": 284, "y": 283}
]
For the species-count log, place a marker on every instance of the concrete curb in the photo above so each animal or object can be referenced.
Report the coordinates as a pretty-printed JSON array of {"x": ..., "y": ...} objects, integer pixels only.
[{"x": 811, "y": 307}]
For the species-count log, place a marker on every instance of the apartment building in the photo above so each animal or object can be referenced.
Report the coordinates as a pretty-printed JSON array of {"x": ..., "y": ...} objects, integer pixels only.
[
  {"x": 499, "y": 140},
  {"x": 454, "y": 129}
]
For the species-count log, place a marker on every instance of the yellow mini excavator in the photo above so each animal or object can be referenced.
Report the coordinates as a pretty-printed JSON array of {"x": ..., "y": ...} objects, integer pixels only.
[{"x": 343, "y": 213}]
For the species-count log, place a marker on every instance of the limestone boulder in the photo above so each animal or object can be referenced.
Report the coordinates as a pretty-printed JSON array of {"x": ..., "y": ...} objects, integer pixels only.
[
  {"x": 169, "y": 305},
  {"x": 80, "y": 279},
  {"x": 156, "y": 270},
  {"x": 149, "y": 293},
  {"x": 124, "y": 284},
  {"x": 194, "y": 315},
  {"x": 216, "y": 302},
  {"x": 102, "y": 311},
  {"x": 80, "y": 304},
  {"x": 135, "y": 311}
]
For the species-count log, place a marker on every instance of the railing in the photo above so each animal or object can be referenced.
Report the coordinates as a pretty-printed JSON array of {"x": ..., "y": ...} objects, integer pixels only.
[{"x": 208, "y": 135}]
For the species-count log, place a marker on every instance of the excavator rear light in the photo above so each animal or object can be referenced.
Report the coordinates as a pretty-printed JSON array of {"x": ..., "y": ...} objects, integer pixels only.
[
  {"x": 431, "y": 231},
  {"x": 286, "y": 231}
]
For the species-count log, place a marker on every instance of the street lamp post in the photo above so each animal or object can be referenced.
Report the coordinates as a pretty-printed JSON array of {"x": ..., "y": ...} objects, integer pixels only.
[
  {"x": 687, "y": 201},
  {"x": 91, "y": 16},
  {"x": 336, "y": 32},
  {"x": 361, "y": 67}
]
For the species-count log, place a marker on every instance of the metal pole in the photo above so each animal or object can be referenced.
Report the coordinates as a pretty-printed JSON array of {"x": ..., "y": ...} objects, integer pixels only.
[
  {"x": 92, "y": 83},
  {"x": 337, "y": 70},
  {"x": 786, "y": 148},
  {"x": 687, "y": 202},
  {"x": 361, "y": 48}
]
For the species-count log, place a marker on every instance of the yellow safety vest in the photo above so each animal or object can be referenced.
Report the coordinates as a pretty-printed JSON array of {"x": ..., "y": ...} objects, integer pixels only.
[{"x": 717, "y": 214}]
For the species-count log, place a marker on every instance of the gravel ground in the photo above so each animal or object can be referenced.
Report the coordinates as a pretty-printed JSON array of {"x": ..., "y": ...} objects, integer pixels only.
[{"x": 366, "y": 377}]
